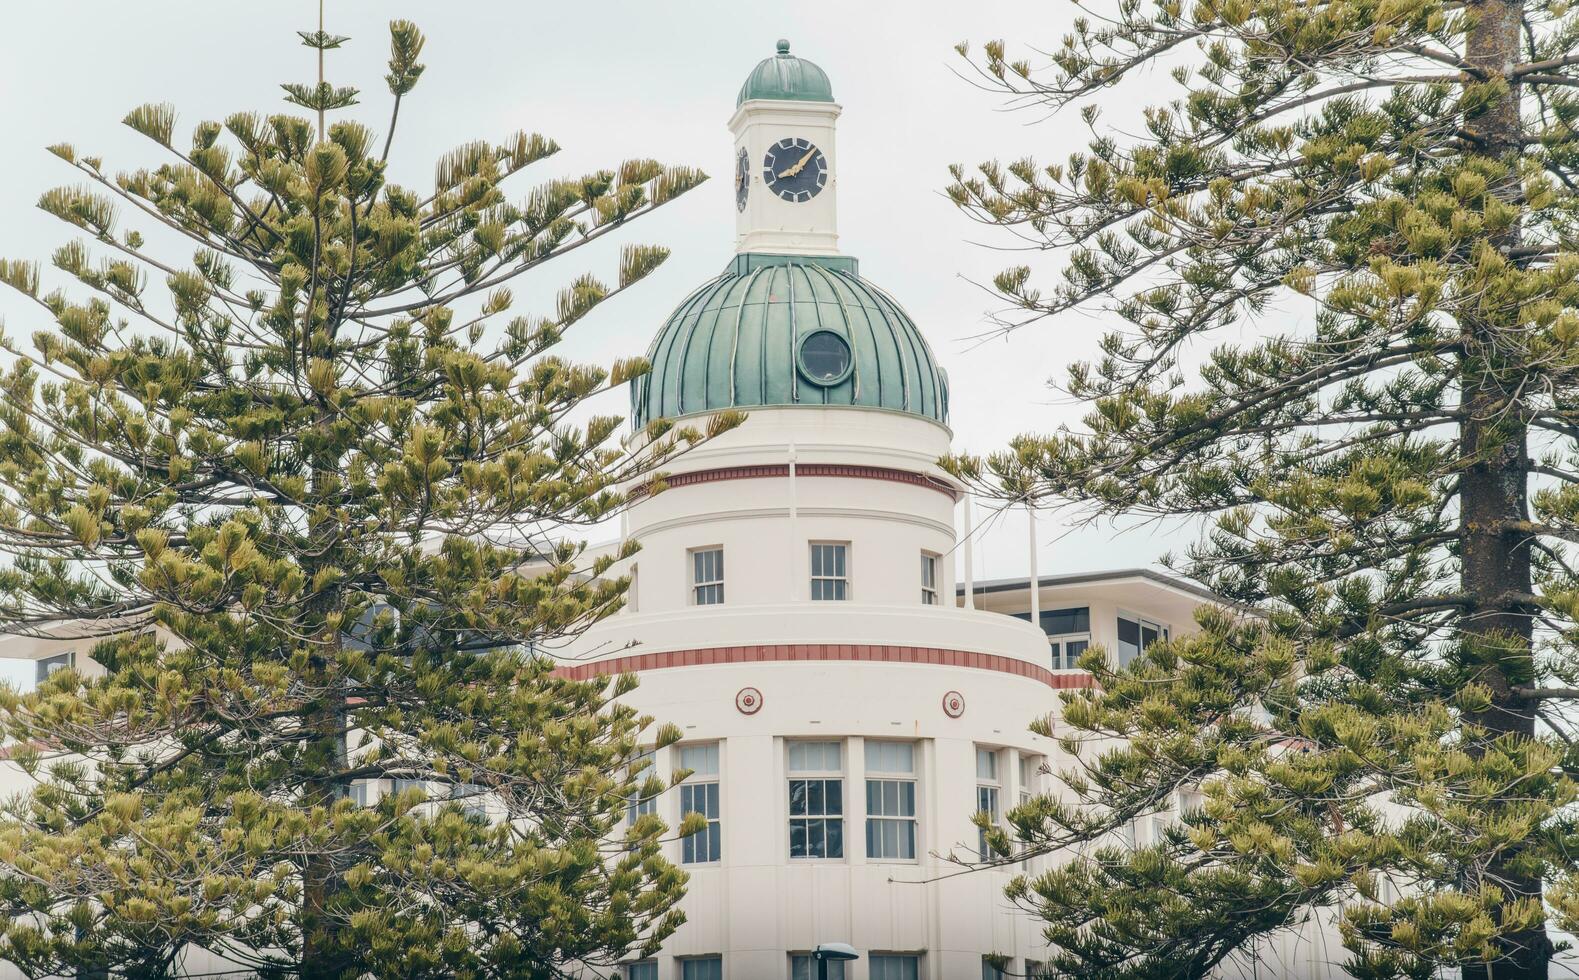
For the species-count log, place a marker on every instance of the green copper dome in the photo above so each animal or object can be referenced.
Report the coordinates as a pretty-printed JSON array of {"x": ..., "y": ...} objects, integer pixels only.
[
  {"x": 787, "y": 330},
  {"x": 785, "y": 76}
]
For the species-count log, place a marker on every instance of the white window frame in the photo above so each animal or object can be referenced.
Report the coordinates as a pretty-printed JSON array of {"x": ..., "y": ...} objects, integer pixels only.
[
  {"x": 1030, "y": 769},
  {"x": 698, "y": 584},
  {"x": 814, "y": 578},
  {"x": 931, "y": 573},
  {"x": 45, "y": 666},
  {"x": 835, "y": 967},
  {"x": 826, "y": 776},
  {"x": 681, "y": 962},
  {"x": 1058, "y": 645},
  {"x": 627, "y": 970},
  {"x": 635, "y": 807},
  {"x": 899, "y": 778},
  {"x": 989, "y": 789},
  {"x": 701, "y": 780},
  {"x": 915, "y": 959}
]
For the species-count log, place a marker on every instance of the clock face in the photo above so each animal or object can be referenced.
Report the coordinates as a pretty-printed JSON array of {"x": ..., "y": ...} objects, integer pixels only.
[
  {"x": 742, "y": 179},
  {"x": 794, "y": 169}
]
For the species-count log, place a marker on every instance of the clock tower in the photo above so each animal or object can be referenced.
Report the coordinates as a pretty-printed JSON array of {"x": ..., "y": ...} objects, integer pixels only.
[{"x": 785, "y": 164}]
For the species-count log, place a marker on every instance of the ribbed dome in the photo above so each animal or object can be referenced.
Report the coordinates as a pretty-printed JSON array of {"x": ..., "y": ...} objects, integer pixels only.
[
  {"x": 783, "y": 330},
  {"x": 785, "y": 76}
]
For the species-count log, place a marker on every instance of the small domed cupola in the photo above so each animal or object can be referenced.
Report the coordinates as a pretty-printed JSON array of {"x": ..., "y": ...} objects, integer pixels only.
[
  {"x": 789, "y": 331},
  {"x": 786, "y": 77}
]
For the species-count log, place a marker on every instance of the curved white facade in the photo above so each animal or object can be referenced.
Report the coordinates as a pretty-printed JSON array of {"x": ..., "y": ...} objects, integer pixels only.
[{"x": 769, "y": 668}]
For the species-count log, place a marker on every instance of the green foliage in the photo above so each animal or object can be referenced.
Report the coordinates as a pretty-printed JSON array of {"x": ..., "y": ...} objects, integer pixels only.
[
  {"x": 302, "y": 489},
  {"x": 1389, "y": 481}
]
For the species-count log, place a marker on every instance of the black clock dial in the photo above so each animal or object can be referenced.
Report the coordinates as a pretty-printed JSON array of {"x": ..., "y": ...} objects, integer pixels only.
[
  {"x": 742, "y": 179},
  {"x": 794, "y": 169}
]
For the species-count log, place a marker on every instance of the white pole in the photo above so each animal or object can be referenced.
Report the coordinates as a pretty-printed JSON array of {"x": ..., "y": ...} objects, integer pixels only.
[
  {"x": 1036, "y": 590},
  {"x": 796, "y": 547},
  {"x": 970, "y": 566}
]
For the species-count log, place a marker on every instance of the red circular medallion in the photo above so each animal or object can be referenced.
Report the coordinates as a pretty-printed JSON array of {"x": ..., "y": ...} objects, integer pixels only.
[
  {"x": 748, "y": 701},
  {"x": 953, "y": 704}
]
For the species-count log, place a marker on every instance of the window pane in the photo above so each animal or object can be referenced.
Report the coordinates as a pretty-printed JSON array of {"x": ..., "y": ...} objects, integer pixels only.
[
  {"x": 711, "y": 968},
  {"x": 703, "y": 759},
  {"x": 986, "y": 764},
  {"x": 888, "y": 966},
  {"x": 1128, "y": 641},
  {"x": 1073, "y": 649},
  {"x": 803, "y": 967},
  {"x": 835, "y": 837},
  {"x": 798, "y": 797},
  {"x": 639, "y": 971},
  {"x": 1058, "y": 621},
  {"x": 890, "y": 757}
]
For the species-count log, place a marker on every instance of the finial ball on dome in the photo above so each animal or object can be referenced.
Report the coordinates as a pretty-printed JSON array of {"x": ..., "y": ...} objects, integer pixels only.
[{"x": 783, "y": 45}]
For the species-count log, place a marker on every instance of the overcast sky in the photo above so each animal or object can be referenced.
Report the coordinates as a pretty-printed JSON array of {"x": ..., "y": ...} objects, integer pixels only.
[{"x": 609, "y": 80}]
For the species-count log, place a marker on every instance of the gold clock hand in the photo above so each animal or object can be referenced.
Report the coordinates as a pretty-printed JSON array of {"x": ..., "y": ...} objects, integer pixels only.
[{"x": 799, "y": 164}]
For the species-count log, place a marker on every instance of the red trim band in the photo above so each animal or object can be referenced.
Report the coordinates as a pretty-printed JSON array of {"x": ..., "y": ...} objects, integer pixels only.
[
  {"x": 781, "y": 471},
  {"x": 825, "y": 651}
]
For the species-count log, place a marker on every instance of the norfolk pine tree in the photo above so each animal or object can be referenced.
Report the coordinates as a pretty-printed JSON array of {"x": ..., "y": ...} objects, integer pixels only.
[
  {"x": 301, "y": 489},
  {"x": 1391, "y": 482}
]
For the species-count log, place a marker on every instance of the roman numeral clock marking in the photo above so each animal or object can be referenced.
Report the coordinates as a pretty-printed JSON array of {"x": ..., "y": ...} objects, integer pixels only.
[{"x": 795, "y": 169}]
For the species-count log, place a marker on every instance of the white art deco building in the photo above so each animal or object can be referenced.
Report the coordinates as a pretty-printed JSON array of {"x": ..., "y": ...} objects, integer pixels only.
[{"x": 846, "y": 705}]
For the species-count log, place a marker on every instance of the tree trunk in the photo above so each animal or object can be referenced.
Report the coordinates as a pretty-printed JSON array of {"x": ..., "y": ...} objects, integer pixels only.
[{"x": 1493, "y": 492}]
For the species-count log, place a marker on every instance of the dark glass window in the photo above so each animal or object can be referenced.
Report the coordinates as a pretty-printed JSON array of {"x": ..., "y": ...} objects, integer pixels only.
[
  {"x": 1128, "y": 640},
  {"x": 1057, "y": 622},
  {"x": 816, "y": 818},
  {"x": 825, "y": 357}
]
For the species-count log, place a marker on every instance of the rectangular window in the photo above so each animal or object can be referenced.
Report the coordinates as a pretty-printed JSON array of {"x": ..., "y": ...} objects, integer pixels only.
[
  {"x": 702, "y": 968},
  {"x": 364, "y": 792},
  {"x": 707, "y": 576},
  {"x": 1068, "y": 632},
  {"x": 638, "y": 805},
  {"x": 1037, "y": 970},
  {"x": 929, "y": 579},
  {"x": 472, "y": 799},
  {"x": 639, "y": 971},
  {"x": 1056, "y": 622},
  {"x": 1030, "y": 768},
  {"x": 399, "y": 786},
  {"x": 699, "y": 794},
  {"x": 803, "y": 967},
  {"x": 1067, "y": 650},
  {"x": 830, "y": 574},
  {"x": 43, "y": 668},
  {"x": 1135, "y": 635},
  {"x": 989, "y": 971},
  {"x": 816, "y": 800},
  {"x": 986, "y": 793},
  {"x": 890, "y": 801},
  {"x": 894, "y": 966}
]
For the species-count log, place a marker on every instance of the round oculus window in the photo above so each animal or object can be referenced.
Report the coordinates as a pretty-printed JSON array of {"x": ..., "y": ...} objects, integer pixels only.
[{"x": 825, "y": 357}]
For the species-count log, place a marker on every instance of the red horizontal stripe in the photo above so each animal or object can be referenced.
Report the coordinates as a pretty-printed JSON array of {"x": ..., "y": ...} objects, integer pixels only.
[
  {"x": 824, "y": 651},
  {"x": 781, "y": 471}
]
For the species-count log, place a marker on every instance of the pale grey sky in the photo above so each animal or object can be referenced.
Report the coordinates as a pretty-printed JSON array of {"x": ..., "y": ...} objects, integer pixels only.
[{"x": 609, "y": 80}]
